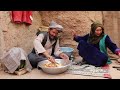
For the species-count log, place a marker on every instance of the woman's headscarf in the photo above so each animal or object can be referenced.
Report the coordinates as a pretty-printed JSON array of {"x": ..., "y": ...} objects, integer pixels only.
[{"x": 94, "y": 39}]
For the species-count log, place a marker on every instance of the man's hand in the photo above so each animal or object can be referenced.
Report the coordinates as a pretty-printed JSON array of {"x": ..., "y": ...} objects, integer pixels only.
[
  {"x": 64, "y": 56},
  {"x": 51, "y": 59}
]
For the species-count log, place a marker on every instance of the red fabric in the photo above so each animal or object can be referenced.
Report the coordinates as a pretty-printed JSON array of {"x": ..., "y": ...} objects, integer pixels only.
[
  {"x": 22, "y": 16},
  {"x": 105, "y": 67},
  {"x": 26, "y": 17},
  {"x": 17, "y": 16},
  {"x": 107, "y": 76}
]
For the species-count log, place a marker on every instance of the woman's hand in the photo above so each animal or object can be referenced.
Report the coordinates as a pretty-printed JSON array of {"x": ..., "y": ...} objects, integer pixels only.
[
  {"x": 64, "y": 56},
  {"x": 119, "y": 54},
  {"x": 74, "y": 33}
]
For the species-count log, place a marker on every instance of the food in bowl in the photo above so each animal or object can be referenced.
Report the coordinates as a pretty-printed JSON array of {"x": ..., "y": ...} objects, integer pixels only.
[
  {"x": 52, "y": 64},
  {"x": 55, "y": 70}
]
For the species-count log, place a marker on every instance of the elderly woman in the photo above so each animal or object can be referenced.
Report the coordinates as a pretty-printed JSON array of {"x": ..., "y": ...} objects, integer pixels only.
[{"x": 93, "y": 46}]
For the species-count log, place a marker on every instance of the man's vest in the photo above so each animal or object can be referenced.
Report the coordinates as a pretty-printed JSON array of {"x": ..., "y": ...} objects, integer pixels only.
[{"x": 44, "y": 42}]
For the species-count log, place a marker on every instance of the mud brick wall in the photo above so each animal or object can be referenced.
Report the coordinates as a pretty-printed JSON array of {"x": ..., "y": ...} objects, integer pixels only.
[
  {"x": 79, "y": 21},
  {"x": 18, "y": 35}
]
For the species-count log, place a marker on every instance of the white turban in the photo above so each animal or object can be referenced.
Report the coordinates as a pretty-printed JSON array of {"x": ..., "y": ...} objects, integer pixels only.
[{"x": 55, "y": 25}]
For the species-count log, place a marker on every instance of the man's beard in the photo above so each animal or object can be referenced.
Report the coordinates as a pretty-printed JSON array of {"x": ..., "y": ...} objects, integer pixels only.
[{"x": 53, "y": 38}]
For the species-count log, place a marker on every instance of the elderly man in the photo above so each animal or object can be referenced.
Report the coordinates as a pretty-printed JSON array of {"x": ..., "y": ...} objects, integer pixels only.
[{"x": 46, "y": 46}]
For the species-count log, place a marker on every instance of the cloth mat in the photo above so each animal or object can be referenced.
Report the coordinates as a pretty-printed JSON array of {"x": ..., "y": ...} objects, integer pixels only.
[{"x": 90, "y": 70}]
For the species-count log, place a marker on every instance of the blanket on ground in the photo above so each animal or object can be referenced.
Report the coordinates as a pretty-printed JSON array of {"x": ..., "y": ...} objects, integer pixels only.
[{"x": 90, "y": 70}]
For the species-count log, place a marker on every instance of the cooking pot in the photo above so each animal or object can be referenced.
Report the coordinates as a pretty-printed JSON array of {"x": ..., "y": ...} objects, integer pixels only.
[{"x": 55, "y": 70}]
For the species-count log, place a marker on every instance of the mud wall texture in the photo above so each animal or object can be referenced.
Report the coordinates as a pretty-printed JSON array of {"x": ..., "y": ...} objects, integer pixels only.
[
  {"x": 21, "y": 35},
  {"x": 18, "y": 35},
  {"x": 79, "y": 21},
  {"x": 111, "y": 24}
]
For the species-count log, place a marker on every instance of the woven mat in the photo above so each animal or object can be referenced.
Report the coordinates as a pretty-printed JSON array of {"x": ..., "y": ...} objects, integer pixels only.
[{"x": 89, "y": 70}]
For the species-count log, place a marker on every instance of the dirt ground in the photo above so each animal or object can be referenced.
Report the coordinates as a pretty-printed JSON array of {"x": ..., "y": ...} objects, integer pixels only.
[{"x": 38, "y": 74}]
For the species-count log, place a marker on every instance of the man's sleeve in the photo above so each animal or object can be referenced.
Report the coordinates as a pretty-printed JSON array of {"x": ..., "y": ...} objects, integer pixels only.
[{"x": 37, "y": 44}]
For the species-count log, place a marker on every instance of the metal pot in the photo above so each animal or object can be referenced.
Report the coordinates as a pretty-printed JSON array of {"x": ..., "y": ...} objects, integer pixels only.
[{"x": 55, "y": 70}]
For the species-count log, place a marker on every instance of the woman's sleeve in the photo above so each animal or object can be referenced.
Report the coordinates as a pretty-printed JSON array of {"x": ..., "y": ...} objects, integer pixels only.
[
  {"x": 117, "y": 51},
  {"x": 78, "y": 38},
  {"x": 112, "y": 46}
]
